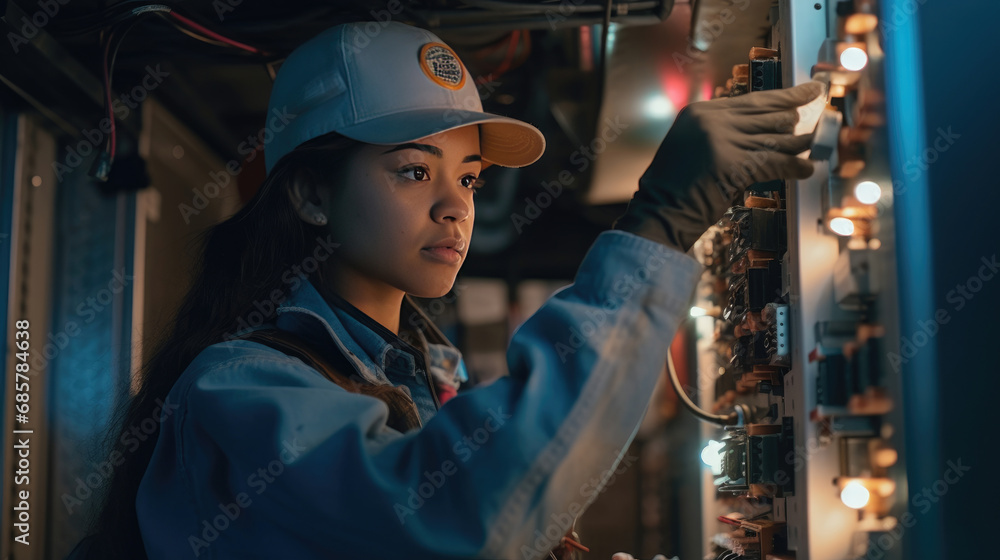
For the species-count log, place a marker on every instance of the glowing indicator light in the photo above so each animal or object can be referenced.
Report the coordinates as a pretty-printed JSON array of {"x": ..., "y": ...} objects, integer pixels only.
[
  {"x": 867, "y": 192},
  {"x": 855, "y": 495},
  {"x": 712, "y": 456},
  {"x": 853, "y": 58},
  {"x": 842, "y": 226}
]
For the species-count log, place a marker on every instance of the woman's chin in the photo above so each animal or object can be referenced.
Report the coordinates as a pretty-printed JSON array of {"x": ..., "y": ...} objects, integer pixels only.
[{"x": 431, "y": 290}]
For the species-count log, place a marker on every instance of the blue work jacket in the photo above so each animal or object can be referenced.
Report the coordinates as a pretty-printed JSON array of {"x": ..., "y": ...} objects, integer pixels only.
[{"x": 266, "y": 458}]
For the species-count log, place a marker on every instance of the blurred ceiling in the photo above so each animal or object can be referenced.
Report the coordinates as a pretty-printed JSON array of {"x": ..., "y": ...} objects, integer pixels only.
[{"x": 537, "y": 61}]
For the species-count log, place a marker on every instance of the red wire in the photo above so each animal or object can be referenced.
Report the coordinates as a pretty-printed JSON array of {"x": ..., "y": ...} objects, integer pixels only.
[
  {"x": 185, "y": 21},
  {"x": 515, "y": 38},
  {"x": 213, "y": 34},
  {"x": 489, "y": 49},
  {"x": 730, "y": 521},
  {"x": 574, "y": 544},
  {"x": 586, "y": 52}
]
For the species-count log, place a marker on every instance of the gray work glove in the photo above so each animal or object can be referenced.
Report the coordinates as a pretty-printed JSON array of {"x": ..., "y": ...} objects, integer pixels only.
[{"x": 714, "y": 150}]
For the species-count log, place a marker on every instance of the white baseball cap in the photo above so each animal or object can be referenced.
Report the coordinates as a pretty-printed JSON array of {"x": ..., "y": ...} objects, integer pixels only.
[{"x": 387, "y": 83}]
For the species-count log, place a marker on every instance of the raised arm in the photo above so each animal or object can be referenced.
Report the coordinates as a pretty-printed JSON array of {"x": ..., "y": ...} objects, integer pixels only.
[{"x": 275, "y": 449}]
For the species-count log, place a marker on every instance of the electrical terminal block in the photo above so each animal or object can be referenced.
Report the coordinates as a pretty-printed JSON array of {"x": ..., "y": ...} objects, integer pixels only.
[{"x": 752, "y": 459}]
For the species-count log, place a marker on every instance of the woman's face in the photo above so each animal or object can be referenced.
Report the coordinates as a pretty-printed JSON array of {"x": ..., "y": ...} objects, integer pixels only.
[{"x": 403, "y": 214}]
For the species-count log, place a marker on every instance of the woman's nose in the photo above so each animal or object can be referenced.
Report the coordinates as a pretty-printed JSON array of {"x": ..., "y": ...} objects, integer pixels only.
[{"x": 452, "y": 204}]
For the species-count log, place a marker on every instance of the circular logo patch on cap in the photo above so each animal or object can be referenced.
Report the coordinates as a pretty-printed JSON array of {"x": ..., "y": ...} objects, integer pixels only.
[{"x": 442, "y": 65}]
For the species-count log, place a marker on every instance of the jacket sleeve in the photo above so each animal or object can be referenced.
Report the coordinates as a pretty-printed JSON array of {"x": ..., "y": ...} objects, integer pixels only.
[{"x": 499, "y": 472}]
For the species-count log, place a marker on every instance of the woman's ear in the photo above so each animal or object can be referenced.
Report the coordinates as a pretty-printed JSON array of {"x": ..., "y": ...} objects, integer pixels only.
[{"x": 308, "y": 198}]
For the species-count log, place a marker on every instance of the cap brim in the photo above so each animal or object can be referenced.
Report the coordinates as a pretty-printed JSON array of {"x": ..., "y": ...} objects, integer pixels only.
[{"x": 503, "y": 141}]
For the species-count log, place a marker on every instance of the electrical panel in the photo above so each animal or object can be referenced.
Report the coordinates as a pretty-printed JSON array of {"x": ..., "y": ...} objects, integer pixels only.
[{"x": 799, "y": 316}]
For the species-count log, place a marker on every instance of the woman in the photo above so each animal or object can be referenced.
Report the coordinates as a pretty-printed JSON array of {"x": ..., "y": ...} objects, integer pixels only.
[{"x": 369, "y": 198}]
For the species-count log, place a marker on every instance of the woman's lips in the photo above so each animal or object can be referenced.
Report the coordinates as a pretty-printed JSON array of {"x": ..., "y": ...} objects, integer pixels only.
[{"x": 442, "y": 254}]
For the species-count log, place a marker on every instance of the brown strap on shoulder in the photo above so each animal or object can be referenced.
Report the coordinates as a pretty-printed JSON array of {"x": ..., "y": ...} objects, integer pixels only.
[
  {"x": 295, "y": 346},
  {"x": 403, "y": 415}
]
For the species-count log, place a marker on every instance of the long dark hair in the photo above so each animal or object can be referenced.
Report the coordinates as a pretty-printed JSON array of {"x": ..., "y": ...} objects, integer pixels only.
[{"x": 243, "y": 260}]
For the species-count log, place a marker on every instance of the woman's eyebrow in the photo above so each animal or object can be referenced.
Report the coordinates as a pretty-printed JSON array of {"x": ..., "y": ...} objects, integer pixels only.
[{"x": 429, "y": 149}]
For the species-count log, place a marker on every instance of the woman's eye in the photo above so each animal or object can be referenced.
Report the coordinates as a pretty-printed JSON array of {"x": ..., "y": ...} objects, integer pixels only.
[
  {"x": 419, "y": 173},
  {"x": 473, "y": 182}
]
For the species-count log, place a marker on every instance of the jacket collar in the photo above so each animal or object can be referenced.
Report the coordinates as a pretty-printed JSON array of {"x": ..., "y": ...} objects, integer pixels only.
[{"x": 370, "y": 350}]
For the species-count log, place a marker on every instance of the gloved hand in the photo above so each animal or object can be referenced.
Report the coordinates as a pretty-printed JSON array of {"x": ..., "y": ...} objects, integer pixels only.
[{"x": 714, "y": 150}]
